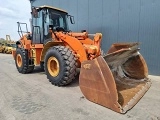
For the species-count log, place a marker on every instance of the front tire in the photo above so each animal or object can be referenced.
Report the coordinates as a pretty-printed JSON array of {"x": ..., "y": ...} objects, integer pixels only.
[{"x": 60, "y": 65}]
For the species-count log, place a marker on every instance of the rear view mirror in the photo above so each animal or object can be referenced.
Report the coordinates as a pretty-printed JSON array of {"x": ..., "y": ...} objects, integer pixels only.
[
  {"x": 72, "y": 19},
  {"x": 35, "y": 12}
]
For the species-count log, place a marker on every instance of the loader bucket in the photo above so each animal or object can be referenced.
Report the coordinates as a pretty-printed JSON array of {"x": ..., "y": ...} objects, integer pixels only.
[{"x": 117, "y": 80}]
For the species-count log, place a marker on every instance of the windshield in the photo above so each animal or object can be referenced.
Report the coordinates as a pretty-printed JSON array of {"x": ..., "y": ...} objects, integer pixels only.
[{"x": 58, "y": 19}]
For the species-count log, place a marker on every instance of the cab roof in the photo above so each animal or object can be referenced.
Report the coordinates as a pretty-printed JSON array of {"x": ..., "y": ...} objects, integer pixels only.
[{"x": 46, "y": 6}]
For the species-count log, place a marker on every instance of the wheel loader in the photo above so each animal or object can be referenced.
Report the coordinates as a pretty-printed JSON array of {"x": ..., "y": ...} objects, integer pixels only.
[
  {"x": 1, "y": 47},
  {"x": 10, "y": 45},
  {"x": 116, "y": 80},
  {"x": 9, "y": 48}
]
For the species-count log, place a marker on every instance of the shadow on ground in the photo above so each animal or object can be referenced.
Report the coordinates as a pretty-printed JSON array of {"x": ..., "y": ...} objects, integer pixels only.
[{"x": 74, "y": 83}]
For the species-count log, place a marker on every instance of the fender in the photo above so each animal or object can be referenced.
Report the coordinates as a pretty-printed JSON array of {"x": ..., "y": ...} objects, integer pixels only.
[
  {"x": 47, "y": 46},
  {"x": 74, "y": 44}
]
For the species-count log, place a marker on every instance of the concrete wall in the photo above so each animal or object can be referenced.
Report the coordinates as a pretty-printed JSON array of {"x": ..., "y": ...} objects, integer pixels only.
[{"x": 119, "y": 21}]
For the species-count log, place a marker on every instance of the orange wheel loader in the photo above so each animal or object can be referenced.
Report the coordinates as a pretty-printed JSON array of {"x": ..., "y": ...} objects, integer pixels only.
[{"x": 116, "y": 80}]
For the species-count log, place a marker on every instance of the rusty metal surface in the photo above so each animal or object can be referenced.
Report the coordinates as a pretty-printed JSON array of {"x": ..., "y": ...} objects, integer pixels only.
[
  {"x": 97, "y": 83},
  {"x": 138, "y": 95},
  {"x": 117, "y": 80}
]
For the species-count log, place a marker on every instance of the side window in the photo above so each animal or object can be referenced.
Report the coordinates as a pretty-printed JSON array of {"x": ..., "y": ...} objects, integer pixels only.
[
  {"x": 61, "y": 22},
  {"x": 46, "y": 23},
  {"x": 37, "y": 28},
  {"x": 38, "y": 21}
]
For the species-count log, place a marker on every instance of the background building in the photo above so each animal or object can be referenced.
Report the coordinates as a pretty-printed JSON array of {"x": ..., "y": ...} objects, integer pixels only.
[{"x": 119, "y": 21}]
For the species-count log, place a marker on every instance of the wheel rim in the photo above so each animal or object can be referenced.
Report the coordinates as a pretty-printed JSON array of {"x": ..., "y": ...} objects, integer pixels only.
[
  {"x": 19, "y": 60},
  {"x": 53, "y": 66}
]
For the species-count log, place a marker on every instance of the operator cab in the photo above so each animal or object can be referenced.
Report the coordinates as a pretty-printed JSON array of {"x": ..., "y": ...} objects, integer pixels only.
[{"x": 46, "y": 19}]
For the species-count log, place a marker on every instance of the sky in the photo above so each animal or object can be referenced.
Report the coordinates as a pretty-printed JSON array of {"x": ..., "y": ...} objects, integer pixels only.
[{"x": 11, "y": 12}]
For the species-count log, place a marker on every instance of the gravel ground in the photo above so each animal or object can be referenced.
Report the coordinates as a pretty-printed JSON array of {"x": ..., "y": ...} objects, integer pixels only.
[{"x": 32, "y": 97}]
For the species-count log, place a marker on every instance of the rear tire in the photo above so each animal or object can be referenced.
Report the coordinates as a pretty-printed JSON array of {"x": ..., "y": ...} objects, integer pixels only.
[
  {"x": 60, "y": 65},
  {"x": 22, "y": 61}
]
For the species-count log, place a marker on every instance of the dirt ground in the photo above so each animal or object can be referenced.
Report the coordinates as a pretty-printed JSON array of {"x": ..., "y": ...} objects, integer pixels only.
[{"x": 32, "y": 97}]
